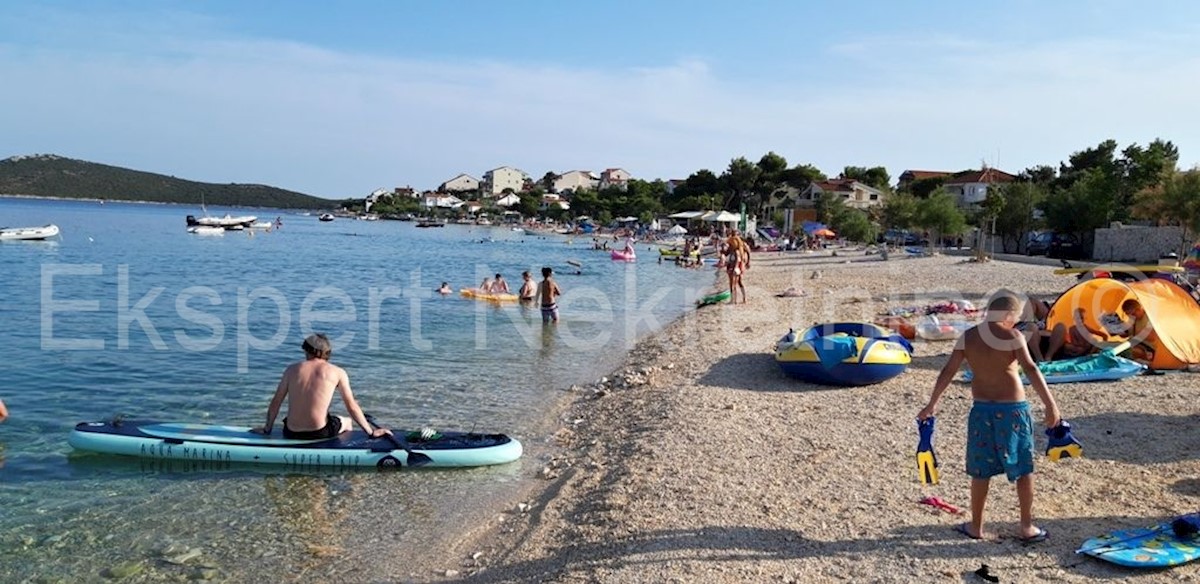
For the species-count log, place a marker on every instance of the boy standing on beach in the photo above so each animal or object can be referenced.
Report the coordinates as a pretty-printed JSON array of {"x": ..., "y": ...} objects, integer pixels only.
[{"x": 999, "y": 428}]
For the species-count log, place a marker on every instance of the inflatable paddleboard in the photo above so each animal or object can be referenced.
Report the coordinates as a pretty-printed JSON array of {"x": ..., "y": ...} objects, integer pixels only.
[
  {"x": 207, "y": 442},
  {"x": 718, "y": 297},
  {"x": 1154, "y": 547},
  {"x": 476, "y": 294}
]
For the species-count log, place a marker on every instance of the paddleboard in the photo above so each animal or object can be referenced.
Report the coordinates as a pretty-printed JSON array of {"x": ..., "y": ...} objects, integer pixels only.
[
  {"x": 209, "y": 442},
  {"x": 476, "y": 294},
  {"x": 1154, "y": 547},
  {"x": 1123, "y": 269}
]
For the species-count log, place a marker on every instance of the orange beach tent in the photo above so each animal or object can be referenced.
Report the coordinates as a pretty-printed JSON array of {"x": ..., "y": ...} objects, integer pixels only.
[{"x": 1173, "y": 314}]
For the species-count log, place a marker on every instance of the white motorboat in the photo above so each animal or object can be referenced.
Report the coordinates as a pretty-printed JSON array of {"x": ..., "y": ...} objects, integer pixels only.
[
  {"x": 325, "y": 217},
  {"x": 261, "y": 225},
  {"x": 28, "y": 233},
  {"x": 227, "y": 221},
  {"x": 206, "y": 230}
]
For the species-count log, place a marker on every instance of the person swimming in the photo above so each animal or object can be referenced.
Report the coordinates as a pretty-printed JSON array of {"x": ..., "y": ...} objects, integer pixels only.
[{"x": 445, "y": 289}]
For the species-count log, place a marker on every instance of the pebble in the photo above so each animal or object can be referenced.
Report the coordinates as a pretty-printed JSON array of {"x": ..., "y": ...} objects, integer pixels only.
[
  {"x": 476, "y": 555},
  {"x": 123, "y": 570},
  {"x": 451, "y": 573},
  {"x": 180, "y": 559}
]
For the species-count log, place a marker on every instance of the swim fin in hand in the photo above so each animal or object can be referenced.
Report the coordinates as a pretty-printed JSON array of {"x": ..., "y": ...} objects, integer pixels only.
[
  {"x": 1062, "y": 443},
  {"x": 926, "y": 459}
]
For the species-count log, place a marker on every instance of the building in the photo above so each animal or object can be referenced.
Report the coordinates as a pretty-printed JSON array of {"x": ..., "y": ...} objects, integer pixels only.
[
  {"x": 505, "y": 178},
  {"x": 374, "y": 198},
  {"x": 460, "y": 184},
  {"x": 614, "y": 177},
  {"x": 574, "y": 181},
  {"x": 508, "y": 200},
  {"x": 855, "y": 194},
  {"x": 970, "y": 187},
  {"x": 550, "y": 201},
  {"x": 440, "y": 201},
  {"x": 908, "y": 177}
]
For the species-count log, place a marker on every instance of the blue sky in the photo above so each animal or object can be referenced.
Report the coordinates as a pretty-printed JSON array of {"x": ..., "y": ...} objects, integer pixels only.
[{"x": 337, "y": 100}]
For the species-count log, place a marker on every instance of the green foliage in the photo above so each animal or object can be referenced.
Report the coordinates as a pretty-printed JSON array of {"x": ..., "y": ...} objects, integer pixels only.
[
  {"x": 390, "y": 205},
  {"x": 802, "y": 175},
  {"x": 1175, "y": 201},
  {"x": 829, "y": 207},
  {"x": 876, "y": 176},
  {"x": 922, "y": 188},
  {"x": 939, "y": 213},
  {"x": 739, "y": 181},
  {"x": 1089, "y": 203},
  {"x": 1014, "y": 218},
  {"x": 900, "y": 211},
  {"x": 528, "y": 205},
  {"x": 55, "y": 176},
  {"x": 853, "y": 224}
]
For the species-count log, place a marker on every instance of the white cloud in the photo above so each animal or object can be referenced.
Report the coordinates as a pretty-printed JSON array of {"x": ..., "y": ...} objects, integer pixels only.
[{"x": 338, "y": 124}]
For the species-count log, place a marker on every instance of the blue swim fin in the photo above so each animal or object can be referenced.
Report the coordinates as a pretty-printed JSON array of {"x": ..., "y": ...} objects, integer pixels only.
[
  {"x": 1062, "y": 443},
  {"x": 926, "y": 459}
]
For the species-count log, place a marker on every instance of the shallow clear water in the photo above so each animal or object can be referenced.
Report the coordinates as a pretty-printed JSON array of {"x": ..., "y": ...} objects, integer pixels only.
[{"x": 127, "y": 313}]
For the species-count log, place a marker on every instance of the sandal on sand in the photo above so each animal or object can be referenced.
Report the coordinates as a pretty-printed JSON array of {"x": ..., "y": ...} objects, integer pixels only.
[
  {"x": 1039, "y": 537},
  {"x": 965, "y": 529}
]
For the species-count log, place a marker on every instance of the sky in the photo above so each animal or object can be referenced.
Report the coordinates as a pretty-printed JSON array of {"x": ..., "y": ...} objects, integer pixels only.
[{"x": 339, "y": 99}]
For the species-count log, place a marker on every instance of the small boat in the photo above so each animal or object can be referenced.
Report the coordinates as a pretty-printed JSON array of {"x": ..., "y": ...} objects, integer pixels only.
[
  {"x": 237, "y": 444},
  {"x": 431, "y": 223},
  {"x": 28, "y": 233},
  {"x": 262, "y": 225},
  {"x": 325, "y": 217},
  {"x": 623, "y": 256},
  {"x": 206, "y": 230},
  {"x": 519, "y": 229},
  {"x": 227, "y": 221},
  {"x": 843, "y": 353},
  {"x": 483, "y": 221}
]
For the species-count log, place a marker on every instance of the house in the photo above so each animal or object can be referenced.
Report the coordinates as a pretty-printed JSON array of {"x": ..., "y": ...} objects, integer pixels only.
[
  {"x": 459, "y": 184},
  {"x": 441, "y": 201},
  {"x": 908, "y": 177},
  {"x": 498, "y": 180},
  {"x": 374, "y": 198},
  {"x": 575, "y": 180},
  {"x": 551, "y": 201},
  {"x": 508, "y": 200},
  {"x": 614, "y": 177},
  {"x": 852, "y": 192},
  {"x": 970, "y": 187},
  {"x": 472, "y": 206},
  {"x": 673, "y": 183}
]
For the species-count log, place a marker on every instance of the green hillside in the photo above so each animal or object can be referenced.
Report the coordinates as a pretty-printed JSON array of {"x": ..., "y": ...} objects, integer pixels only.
[{"x": 47, "y": 175}]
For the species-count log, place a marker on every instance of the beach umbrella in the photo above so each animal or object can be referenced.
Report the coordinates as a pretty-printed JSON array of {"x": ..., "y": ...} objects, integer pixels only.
[
  {"x": 677, "y": 230},
  {"x": 824, "y": 232}
]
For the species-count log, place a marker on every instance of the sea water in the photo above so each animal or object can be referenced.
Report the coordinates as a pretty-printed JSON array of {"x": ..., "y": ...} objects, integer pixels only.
[{"x": 128, "y": 314}]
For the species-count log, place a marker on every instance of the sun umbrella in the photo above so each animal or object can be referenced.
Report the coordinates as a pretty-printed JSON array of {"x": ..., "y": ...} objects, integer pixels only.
[
  {"x": 677, "y": 230},
  {"x": 824, "y": 233}
]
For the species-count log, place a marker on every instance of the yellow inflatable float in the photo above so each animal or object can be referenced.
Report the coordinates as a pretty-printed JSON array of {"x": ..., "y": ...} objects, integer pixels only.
[{"x": 490, "y": 297}]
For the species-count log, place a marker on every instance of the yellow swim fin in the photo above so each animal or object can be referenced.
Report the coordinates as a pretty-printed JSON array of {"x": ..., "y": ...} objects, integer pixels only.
[{"x": 927, "y": 464}]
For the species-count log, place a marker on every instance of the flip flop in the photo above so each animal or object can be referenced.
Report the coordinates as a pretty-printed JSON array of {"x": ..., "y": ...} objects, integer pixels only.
[
  {"x": 1039, "y": 537},
  {"x": 965, "y": 529}
]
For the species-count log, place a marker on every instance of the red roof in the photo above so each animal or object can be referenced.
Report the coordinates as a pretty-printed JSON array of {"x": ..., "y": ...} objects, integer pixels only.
[
  {"x": 916, "y": 175},
  {"x": 987, "y": 175},
  {"x": 836, "y": 184}
]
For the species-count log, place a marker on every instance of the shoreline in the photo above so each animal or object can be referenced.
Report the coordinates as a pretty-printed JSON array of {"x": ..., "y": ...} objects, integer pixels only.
[{"x": 699, "y": 461}]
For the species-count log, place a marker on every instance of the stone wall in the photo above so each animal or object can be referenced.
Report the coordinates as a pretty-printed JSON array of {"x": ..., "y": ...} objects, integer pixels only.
[{"x": 1136, "y": 243}]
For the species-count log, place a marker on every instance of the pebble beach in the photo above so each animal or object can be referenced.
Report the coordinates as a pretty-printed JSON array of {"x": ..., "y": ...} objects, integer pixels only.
[{"x": 699, "y": 461}]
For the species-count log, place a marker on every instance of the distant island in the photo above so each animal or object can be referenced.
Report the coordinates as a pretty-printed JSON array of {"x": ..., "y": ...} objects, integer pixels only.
[{"x": 48, "y": 175}]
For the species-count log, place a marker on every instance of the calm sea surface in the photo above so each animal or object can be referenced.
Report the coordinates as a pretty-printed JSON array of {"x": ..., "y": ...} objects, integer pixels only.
[{"x": 129, "y": 314}]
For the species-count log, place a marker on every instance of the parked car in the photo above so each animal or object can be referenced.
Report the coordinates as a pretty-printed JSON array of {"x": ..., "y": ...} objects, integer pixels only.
[
  {"x": 1065, "y": 246},
  {"x": 1039, "y": 244}
]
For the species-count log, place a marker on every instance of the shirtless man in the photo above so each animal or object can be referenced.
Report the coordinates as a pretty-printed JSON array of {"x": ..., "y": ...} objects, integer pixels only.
[
  {"x": 308, "y": 387},
  {"x": 528, "y": 288},
  {"x": 3, "y": 411},
  {"x": 999, "y": 428},
  {"x": 499, "y": 285},
  {"x": 548, "y": 293}
]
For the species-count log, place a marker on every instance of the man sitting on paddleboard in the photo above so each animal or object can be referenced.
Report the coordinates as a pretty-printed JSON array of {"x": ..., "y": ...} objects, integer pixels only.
[{"x": 308, "y": 387}]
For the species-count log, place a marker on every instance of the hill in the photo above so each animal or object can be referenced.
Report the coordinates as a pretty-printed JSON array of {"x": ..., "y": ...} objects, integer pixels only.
[{"x": 47, "y": 175}]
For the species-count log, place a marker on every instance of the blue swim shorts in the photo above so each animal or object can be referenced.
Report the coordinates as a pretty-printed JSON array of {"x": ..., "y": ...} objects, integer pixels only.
[{"x": 999, "y": 440}]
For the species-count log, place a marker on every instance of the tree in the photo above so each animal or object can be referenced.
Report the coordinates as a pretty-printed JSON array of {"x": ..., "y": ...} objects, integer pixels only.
[
  {"x": 940, "y": 214},
  {"x": 802, "y": 175},
  {"x": 829, "y": 207},
  {"x": 1015, "y": 218},
  {"x": 853, "y": 224},
  {"x": 900, "y": 211},
  {"x": 876, "y": 176},
  {"x": 529, "y": 204},
  {"x": 922, "y": 188},
  {"x": 738, "y": 182},
  {"x": 547, "y": 182},
  {"x": 1089, "y": 203},
  {"x": 1176, "y": 201}
]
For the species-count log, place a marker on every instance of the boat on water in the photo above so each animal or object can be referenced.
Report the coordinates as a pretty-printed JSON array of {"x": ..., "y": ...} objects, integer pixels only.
[
  {"x": 431, "y": 223},
  {"x": 206, "y": 230},
  {"x": 28, "y": 233},
  {"x": 325, "y": 217},
  {"x": 483, "y": 221},
  {"x": 226, "y": 222}
]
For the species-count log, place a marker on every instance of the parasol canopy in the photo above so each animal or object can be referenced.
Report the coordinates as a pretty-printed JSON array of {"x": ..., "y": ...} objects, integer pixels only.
[{"x": 677, "y": 230}]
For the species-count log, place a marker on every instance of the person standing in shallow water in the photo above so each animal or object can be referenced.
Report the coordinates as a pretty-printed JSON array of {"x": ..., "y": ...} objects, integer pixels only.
[
  {"x": 528, "y": 287},
  {"x": 548, "y": 293},
  {"x": 3, "y": 411}
]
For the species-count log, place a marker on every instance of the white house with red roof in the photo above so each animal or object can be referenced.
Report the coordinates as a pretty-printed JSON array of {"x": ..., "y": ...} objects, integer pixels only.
[
  {"x": 614, "y": 177},
  {"x": 855, "y": 194},
  {"x": 970, "y": 187}
]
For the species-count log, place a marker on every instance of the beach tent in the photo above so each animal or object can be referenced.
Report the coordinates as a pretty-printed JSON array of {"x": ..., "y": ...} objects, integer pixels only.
[
  {"x": 677, "y": 230},
  {"x": 724, "y": 217},
  {"x": 689, "y": 215},
  {"x": 1173, "y": 314}
]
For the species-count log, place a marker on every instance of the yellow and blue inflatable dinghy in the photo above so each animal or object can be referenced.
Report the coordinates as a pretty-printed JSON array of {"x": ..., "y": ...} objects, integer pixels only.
[{"x": 843, "y": 353}]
